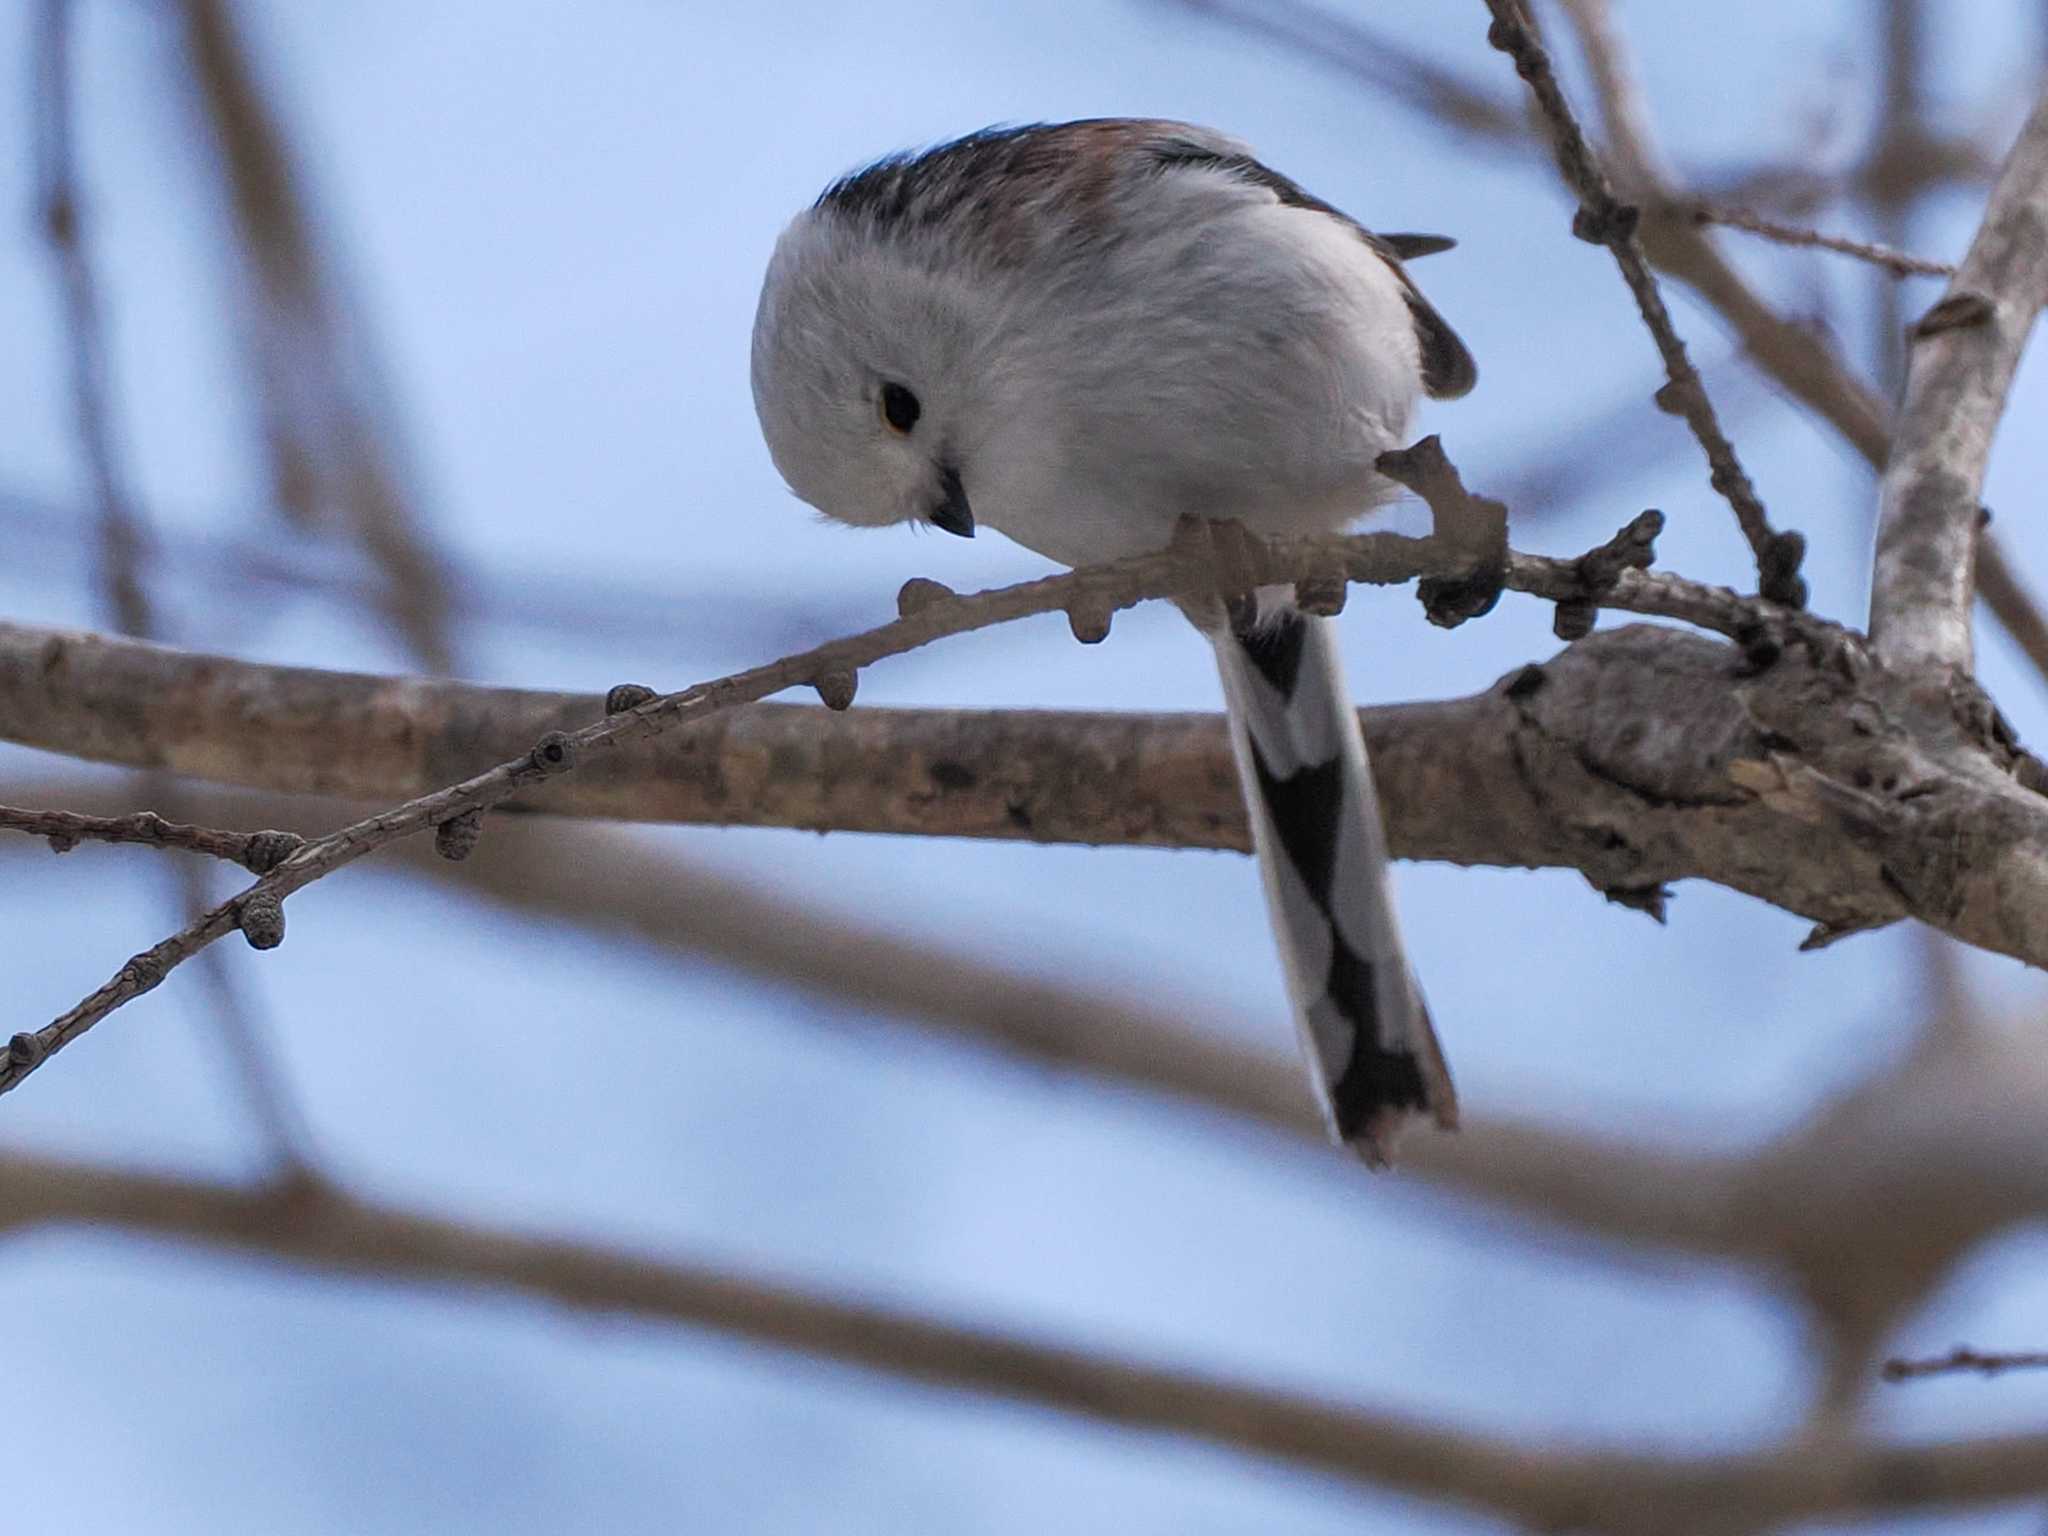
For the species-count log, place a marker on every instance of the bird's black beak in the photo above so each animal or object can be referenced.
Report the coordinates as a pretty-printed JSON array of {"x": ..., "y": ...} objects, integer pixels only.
[{"x": 952, "y": 513}]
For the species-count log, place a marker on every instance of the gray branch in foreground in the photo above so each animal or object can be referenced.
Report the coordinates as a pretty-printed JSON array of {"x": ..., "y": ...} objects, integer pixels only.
[
  {"x": 307, "y": 1222},
  {"x": 1812, "y": 778},
  {"x": 1963, "y": 356}
]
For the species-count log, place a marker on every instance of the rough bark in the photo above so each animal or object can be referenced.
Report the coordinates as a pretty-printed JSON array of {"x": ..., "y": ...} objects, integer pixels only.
[{"x": 1815, "y": 779}]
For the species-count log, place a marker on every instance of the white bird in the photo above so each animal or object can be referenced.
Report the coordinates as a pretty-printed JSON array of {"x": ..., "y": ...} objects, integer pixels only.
[{"x": 1079, "y": 333}]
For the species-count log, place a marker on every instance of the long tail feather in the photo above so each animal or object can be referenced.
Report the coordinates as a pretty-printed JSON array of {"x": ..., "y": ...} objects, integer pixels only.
[{"x": 1372, "y": 1053}]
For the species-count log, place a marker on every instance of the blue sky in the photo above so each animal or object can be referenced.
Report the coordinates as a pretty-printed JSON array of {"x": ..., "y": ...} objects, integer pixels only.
[{"x": 555, "y": 217}]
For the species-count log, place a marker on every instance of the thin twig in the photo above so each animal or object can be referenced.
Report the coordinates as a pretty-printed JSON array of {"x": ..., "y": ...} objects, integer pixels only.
[
  {"x": 1964, "y": 354},
  {"x": 1898, "y": 263},
  {"x": 1963, "y": 1358},
  {"x": 257, "y": 852},
  {"x": 1183, "y": 569},
  {"x": 1386, "y": 64},
  {"x": 1605, "y": 220}
]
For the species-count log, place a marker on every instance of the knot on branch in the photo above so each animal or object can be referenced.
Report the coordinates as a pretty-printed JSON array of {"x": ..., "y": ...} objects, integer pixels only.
[
  {"x": 264, "y": 851},
  {"x": 260, "y": 916},
  {"x": 837, "y": 686},
  {"x": 1606, "y": 221},
  {"x": 624, "y": 696},
  {"x": 1761, "y": 646},
  {"x": 61, "y": 842},
  {"x": 1574, "y": 619},
  {"x": 554, "y": 753},
  {"x": 1511, "y": 36},
  {"x": 456, "y": 838},
  {"x": 1957, "y": 312},
  {"x": 141, "y": 972},
  {"x": 1089, "y": 618},
  {"x": 26, "y": 1050},
  {"x": 1777, "y": 569}
]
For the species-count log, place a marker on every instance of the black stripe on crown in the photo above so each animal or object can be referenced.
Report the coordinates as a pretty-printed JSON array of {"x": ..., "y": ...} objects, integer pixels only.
[{"x": 936, "y": 186}]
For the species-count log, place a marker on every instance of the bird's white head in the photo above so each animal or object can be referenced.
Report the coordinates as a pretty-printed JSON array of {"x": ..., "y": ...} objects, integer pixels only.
[{"x": 864, "y": 374}]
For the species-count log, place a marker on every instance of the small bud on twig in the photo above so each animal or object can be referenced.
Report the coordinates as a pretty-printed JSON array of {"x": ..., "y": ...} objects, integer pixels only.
[
  {"x": 456, "y": 838},
  {"x": 836, "y": 687},
  {"x": 918, "y": 594},
  {"x": 1089, "y": 619},
  {"x": 261, "y": 919},
  {"x": 554, "y": 753},
  {"x": 264, "y": 851}
]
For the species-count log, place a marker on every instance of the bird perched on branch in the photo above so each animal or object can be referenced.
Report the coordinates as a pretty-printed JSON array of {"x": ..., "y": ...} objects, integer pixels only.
[{"x": 1080, "y": 333}]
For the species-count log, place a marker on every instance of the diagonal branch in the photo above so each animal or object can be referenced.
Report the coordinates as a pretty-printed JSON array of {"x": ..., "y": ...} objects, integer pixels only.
[
  {"x": 1964, "y": 354},
  {"x": 929, "y": 612},
  {"x": 1605, "y": 220}
]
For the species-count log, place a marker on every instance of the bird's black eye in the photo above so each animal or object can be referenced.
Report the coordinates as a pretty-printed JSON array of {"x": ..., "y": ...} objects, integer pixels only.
[{"x": 900, "y": 408}]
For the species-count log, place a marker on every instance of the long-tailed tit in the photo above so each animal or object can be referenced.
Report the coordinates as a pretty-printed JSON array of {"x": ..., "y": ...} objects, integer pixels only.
[{"x": 1078, "y": 334}]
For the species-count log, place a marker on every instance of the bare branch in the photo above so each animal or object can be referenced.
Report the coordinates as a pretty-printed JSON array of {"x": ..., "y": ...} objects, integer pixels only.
[
  {"x": 1963, "y": 1358},
  {"x": 1186, "y": 568},
  {"x": 306, "y": 1222},
  {"x": 1383, "y": 62},
  {"x": 1792, "y": 769},
  {"x": 1789, "y": 352},
  {"x": 256, "y": 852},
  {"x": 1965, "y": 351},
  {"x": 1898, "y": 263},
  {"x": 1604, "y": 220},
  {"x": 1943, "y": 1137}
]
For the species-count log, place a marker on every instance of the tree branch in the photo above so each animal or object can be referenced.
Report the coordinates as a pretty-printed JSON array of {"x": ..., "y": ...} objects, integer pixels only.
[
  {"x": 1898, "y": 263},
  {"x": 307, "y": 1222},
  {"x": 1965, "y": 351},
  {"x": 1793, "y": 769},
  {"x": 1604, "y": 220},
  {"x": 1190, "y": 567},
  {"x": 1803, "y": 362},
  {"x": 256, "y": 852},
  {"x": 1964, "y": 1358}
]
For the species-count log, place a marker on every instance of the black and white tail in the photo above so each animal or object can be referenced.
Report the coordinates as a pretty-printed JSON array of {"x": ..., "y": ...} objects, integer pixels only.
[{"x": 1322, "y": 851}]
